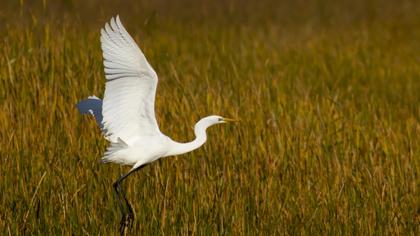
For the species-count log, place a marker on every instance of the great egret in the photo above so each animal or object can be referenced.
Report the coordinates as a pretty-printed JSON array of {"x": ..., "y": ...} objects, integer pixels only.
[{"x": 127, "y": 116}]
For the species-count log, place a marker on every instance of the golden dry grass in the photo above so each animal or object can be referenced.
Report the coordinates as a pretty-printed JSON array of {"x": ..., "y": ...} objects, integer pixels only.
[{"x": 328, "y": 94}]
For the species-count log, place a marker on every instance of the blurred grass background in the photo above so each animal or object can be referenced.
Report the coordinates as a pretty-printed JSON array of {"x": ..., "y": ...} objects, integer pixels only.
[{"x": 328, "y": 94}]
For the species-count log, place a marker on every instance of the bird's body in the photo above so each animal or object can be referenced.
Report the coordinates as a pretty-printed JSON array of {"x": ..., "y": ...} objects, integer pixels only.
[
  {"x": 144, "y": 149},
  {"x": 126, "y": 114}
]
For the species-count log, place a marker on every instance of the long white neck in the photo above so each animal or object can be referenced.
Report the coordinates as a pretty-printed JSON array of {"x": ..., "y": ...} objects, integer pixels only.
[{"x": 200, "y": 139}]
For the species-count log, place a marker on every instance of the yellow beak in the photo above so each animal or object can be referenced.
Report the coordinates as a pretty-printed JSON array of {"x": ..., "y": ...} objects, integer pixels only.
[{"x": 230, "y": 120}]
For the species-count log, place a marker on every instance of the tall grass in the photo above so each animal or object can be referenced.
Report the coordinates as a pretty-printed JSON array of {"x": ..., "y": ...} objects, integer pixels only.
[{"x": 328, "y": 94}]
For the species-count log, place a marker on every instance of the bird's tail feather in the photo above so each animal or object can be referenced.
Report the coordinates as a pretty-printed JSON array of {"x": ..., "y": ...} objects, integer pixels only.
[{"x": 113, "y": 152}]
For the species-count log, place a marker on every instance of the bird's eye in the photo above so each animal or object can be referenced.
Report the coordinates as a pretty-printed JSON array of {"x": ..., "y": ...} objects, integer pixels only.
[{"x": 220, "y": 119}]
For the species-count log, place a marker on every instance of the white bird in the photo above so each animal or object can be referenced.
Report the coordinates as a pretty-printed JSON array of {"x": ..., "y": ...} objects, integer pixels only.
[{"x": 127, "y": 116}]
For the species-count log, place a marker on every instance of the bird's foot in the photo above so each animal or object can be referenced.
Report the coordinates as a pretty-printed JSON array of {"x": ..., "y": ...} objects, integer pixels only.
[{"x": 126, "y": 224}]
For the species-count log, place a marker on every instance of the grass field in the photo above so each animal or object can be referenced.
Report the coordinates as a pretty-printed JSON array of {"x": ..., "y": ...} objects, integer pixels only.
[{"x": 328, "y": 93}]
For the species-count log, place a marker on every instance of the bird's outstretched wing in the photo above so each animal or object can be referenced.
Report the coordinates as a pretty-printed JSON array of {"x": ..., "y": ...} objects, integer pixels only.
[
  {"x": 128, "y": 106},
  {"x": 92, "y": 105}
]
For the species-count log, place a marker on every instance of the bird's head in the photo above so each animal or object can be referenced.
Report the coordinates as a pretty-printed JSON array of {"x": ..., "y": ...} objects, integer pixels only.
[
  {"x": 201, "y": 126},
  {"x": 208, "y": 121},
  {"x": 215, "y": 119}
]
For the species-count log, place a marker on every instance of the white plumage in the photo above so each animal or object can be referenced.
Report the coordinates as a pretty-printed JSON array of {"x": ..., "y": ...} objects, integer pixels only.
[
  {"x": 128, "y": 107},
  {"x": 126, "y": 115}
]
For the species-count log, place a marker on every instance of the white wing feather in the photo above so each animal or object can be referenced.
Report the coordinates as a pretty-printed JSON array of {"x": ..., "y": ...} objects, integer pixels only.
[{"x": 128, "y": 106}]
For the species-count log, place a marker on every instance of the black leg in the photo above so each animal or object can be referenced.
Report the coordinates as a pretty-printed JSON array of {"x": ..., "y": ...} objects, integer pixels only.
[
  {"x": 116, "y": 189},
  {"x": 127, "y": 203},
  {"x": 127, "y": 217}
]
